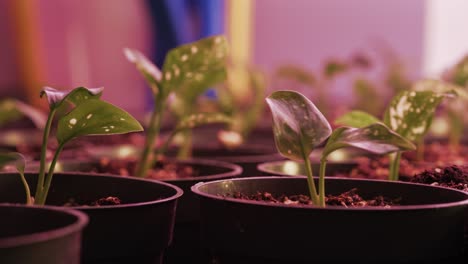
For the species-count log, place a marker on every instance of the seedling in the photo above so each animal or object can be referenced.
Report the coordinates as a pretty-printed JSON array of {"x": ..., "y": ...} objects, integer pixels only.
[
  {"x": 299, "y": 127},
  {"x": 85, "y": 115},
  {"x": 244, "y": 110},
  {"x": 409, "y": 114},
  {"x": 187, "y": 72}
]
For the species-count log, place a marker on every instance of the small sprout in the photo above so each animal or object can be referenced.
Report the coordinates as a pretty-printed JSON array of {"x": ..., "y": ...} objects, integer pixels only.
[
  {"x": 18, "y": 161},
  {"x": 76, "y": 122},
  {"x": 188, "y": 71},
  {"x": 296, "y": 138}
]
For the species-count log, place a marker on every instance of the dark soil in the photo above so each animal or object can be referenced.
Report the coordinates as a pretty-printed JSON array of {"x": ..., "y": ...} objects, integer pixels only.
[
  {"x": 347, "y": 199},
  {"x": 454, "y": 176},
  {"x": 378, "y": 168},
  {"x": 162, "y": 169},
  {"x": 110, "y": 200}
]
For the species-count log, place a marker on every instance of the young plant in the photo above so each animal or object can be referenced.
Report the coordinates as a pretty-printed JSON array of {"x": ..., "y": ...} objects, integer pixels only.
[
  {"x": 85, "y": 115},
  {"x": 18, "y": 161},
  {"x": 409, "y": 114},
  {"x": 245, "y": 110},
  {"x": 299, "y": 127},
  {"x": 187, "y": 72}
]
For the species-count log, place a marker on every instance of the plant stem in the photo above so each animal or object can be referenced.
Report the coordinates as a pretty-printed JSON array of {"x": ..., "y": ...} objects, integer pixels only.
[
  {"x": 43, "y": 196},
  {"x": 394, "y": 167},
  {"x": 26, "y": 188},
  {"x": 45, "y": 138},
  {"x": 185, "y": 150},
  {"x": 146, "y": 158},
  {"x": 323, "y": 165},
  {"x": 310, "y": 181}
]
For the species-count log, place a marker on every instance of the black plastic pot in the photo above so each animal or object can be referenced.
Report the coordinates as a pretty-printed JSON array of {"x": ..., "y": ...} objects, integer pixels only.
[
  {"x": 36, "y": 235},
  {"x": 293, "y": 168},
  {"x": 137, "y": 231},
  {"x": 428, "y": 228},
  {"x": 185, "y": 246},
  {"x": 247, "y": 156}
]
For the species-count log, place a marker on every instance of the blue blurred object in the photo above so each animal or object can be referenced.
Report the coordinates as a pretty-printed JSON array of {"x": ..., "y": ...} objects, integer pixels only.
[{"x": 181, "y": 21}]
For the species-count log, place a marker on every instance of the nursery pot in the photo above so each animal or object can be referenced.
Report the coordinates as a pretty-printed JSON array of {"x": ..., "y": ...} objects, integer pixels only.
[
  {"x": 36, "y": 235},
  {"x": 293, "y": 168},
  {"x": 138, "y": 231},
  {"x": 185, "y": 246},
  {"x": 427, "y": 228}
]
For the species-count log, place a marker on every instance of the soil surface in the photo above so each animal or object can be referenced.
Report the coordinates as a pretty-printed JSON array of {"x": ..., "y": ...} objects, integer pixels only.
[
  {"x": 350, "y": 198},
  {"x": 454, "y": 176},
  {"x": 162, "y": 169},
  {"x": 435, "y": 155},
  {"x": 110, "y": 200}
]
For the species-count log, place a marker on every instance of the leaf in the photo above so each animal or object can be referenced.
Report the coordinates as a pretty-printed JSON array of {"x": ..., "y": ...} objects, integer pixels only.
[
  {"x": 356, "y": 118},
  {"x": 200, "y": 119},
  {"x": 296, "y": 73},
  {"x": 192, "y": 68},
  {"x": 333, "y": 68},
  {"x": 8, "y": 111},
  {"x": 150, "y": 71},
  {"x": 410, "y": 113},
  {"x": 75, "y": 97},
  {"x": 440, "y": 87},
  {"x": 298, "y": 126},
  {"x": 459, "y": 73},
  {"x": 376, "y": 138},
  {"x": 95, "y": 117},
  {"x": 13, "y": 158}
]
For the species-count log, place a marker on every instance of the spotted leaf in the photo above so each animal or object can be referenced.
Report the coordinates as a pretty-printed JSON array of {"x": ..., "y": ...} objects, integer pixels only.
[
  {"x": 440, "y": 87},
  {"x": 298, "y": 125},
  {"x": 376, "y": 138},
  {"x": 356, "y": 119},
  {"x": 200, "y": 119},
  {"x": 192, "y": 68},
  {"x": 410, "y": 113},
  {"x": 95, "y": 117},
  {"x": 75, "y": 97}
]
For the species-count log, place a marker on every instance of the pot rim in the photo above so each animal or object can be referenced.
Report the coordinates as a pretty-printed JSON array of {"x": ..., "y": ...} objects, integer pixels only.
[
  {"x": 81, "y": 221},
  {"x": 178, "y": 191},
  {"x": 195, "y": 189},
  {"x": 234, "y": 169}
]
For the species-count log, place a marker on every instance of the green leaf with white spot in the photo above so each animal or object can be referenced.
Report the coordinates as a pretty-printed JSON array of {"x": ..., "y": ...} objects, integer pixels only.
[
  {"x": 376, "y": 138},
  {"x": 200, "y": 119},
  {"x": 95, "y": 117},
  {"x": 410, "y": 113},
  {"x": 298, "y": 125},
  {"x": 58, "y": 99},
  {"x": 13, "y": 158},
  {"x": 192, "y": 68},
  {"x": 356, "y": 118}
]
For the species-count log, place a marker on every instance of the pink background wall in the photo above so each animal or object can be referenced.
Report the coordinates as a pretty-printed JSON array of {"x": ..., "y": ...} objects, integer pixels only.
[{"x": 83, "y": 40}]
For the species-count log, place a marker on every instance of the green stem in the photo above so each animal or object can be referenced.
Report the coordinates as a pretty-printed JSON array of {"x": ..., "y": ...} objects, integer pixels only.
[
  {"x": 43, "y": 196},
  {"x": 154, "y": 127},
  {"x": 394, "y": 167},
  {"x": 45, "y": 138},
  {"x": 310, "y": 181},
  {"x": 185, "y": 150},
  {"x": 26, "y": 188},
  {"x": 323, "y": 165}
]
